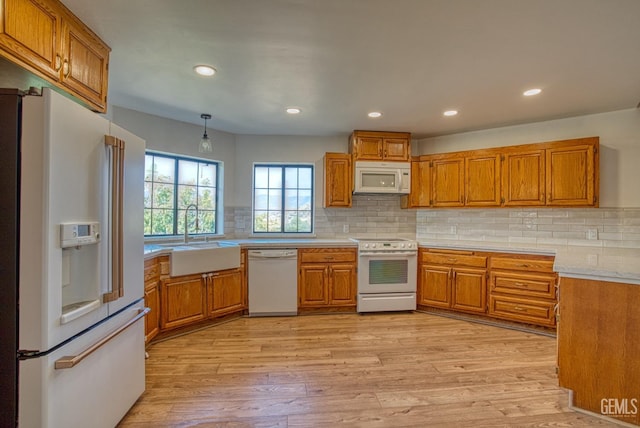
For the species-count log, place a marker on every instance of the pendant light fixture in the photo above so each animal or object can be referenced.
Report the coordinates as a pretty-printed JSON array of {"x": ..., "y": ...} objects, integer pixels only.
[{"x": 206, "y": 145}]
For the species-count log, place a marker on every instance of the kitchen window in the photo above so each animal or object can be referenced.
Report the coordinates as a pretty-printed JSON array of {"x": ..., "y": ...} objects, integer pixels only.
[
  {"x": 173, "y": 183},
  {"x": 282, "y": 198}
]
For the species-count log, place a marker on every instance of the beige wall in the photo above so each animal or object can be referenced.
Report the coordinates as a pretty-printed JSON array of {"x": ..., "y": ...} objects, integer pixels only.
[
  {"x": 172, "y": 136},
  {"x": 619, "y": 133}
]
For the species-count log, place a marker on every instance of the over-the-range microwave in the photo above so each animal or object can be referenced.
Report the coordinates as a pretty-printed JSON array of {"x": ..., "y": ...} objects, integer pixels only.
[{"x": 382, "y": 177}]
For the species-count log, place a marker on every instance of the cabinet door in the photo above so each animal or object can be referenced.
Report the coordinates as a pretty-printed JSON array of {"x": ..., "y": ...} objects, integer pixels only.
[
  {"x": 571, "y": 176},
  {"x": 30, "y": 33},
  {"x": 152, "y": 301},
  {"x": 482, "y": 181},
  {"x": 337, "y": 180},
  {"x": 420, "y": 193},
  {"x": 395, "y": 149},
  {"x": 225, "y": 292},
  {"x": 435, "y": 286},
  {"x": 448, "y": 182},
  {"x": 342, "y": 284},
  {"x": 368, "y": 148},
  {"x": 469, "y": 290},
  {"x": 183, "y": 301},
  {"x": 523, "y": 178},
  {"x": 84, "y": 68},
  {"x": 313, "y": 285}
]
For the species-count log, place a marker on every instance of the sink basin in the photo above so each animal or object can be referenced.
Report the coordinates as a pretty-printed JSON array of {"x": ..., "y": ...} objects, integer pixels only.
[{"x": 199, "y": 257}]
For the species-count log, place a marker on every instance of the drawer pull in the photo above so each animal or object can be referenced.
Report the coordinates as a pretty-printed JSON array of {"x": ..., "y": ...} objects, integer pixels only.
[
  {"x": 524, "y": 265},
  {"x": 452, "y": 260},
  {"x": 519, "y": 308},
  {"x": 520, "y": 284},
  {"x": 328, "y": 258}
]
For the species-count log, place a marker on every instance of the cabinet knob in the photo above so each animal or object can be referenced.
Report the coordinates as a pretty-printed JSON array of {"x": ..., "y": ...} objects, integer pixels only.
[
  {"x": 66, "y": 68},
  {"x": 58, "y": 64}
]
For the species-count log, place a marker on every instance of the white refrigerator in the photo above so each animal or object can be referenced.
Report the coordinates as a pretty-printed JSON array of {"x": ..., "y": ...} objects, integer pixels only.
[{"x": 81, "y": 308}]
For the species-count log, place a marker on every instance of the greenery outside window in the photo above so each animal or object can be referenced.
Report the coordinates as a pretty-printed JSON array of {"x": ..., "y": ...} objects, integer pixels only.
[
  {"x": 282, "y": 198},
  {"x": 171, "y": 184}
]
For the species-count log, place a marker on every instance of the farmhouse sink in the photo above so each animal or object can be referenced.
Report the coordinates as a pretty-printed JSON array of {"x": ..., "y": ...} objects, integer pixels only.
[{"x": 198, "y": 257}]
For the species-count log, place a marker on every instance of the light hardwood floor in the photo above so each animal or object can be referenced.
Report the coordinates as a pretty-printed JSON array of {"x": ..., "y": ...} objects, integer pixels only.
[{"x": 377, "y": 370}]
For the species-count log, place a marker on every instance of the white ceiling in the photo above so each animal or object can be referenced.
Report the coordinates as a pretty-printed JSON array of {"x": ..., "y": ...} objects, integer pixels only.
[{"x": 339, "y": 59}]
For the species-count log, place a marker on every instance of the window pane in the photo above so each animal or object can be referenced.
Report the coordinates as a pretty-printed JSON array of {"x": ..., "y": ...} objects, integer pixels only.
[
  {"x": 261, "y": 177},
  {"x": 291, "y": 221},
  {"x": 304, "y": 221},
  {"x": 305, "y": 178},
  {"x": 162, "y": 222},
  {"x": 291, "y": 178},
  {"x": 304, "y": 199},
  {"x": 207, "y": 175},
  {"x": 164, "y": 169},
  {"x": 191, "y": 220},
  {"x": 206, "y": 198},
  {"x": 260, "y": 199},
  {"x": 148, "y": 167},
  {"x": 275, "y": 199},
  {"x": 148, "y": 191},
  {"x": 291, "y": 199},
  {"x": 260, "y": 221},
  {"x": 188, "y": 172},
  {"x": 187, "y": 195},
  {"x": 147, "y": 221},
  {"x": 274, "y": 222},
  {"x": 163, "y": 196},
  {"x": 275, "y": 178},
  {"x": 206, "y": 221}
]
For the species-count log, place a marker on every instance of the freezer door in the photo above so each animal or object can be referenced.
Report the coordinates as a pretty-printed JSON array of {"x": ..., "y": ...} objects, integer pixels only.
[{"x": 98, "y": 391}]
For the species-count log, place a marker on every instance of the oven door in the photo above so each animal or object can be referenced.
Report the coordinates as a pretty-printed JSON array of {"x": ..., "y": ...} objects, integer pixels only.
[{"x": 393, "y": 272}]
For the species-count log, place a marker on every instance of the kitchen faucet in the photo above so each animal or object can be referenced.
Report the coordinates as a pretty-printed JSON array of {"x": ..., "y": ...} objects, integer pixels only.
[{"x": 186, "y": 224}]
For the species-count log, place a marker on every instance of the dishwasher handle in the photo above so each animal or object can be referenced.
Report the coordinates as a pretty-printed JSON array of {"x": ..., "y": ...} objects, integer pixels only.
[{"x": 273, "y": 254}]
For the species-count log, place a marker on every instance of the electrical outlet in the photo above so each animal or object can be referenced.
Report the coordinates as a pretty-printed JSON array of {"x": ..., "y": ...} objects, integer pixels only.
[
  {"x": 592, "y": 233},
  {"x": 345, "y": 228}
]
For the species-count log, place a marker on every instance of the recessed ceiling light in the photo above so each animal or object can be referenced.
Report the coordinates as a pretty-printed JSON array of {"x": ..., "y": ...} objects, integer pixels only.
[
  {"x": 293, "y": 110},
  {"x": 531, "y": 92},
  {"x": 450, "y": 112},
  {"x": 374, "y": 114},
  {"x": 204, "y": 70}
]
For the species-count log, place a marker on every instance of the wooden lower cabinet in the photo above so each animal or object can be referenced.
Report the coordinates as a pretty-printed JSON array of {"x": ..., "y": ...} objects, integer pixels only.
[
  {"x": 523, "y": 288},
  {"x": 446, "y": 282},
  {"x": 224, "y": 292},
  {"x": 598, "y": 346},
  {"x": 183, "y": 301},
  {"x": 327, "y": 278},
  {"x": 512, "y": 287},
  {"x": 154, "y": 270}
]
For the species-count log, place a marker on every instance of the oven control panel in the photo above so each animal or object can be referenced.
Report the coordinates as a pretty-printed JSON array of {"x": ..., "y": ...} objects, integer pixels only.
[{"x": 382, "y": 245}]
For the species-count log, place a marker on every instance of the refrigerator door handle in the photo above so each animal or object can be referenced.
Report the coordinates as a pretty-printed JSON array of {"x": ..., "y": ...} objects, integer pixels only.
[
  {"x": 116, "y": 217},
  {"x": 70, "y": 361}
]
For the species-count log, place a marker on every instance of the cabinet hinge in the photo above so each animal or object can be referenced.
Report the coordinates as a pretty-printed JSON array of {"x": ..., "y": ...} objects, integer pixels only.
[
  {"x": 502, "y": 200},
  {"x": 502, "y": 158},
  {"x": 595, "y": 150},
  {"x": 595, "y": 199}
]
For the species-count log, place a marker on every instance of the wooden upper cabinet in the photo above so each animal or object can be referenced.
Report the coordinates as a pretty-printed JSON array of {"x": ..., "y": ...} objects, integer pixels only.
[
  {"x": 572, "y": 173},
  {"x": 337, "y": 180},
  {"x": 448, "y": 182},
  {"x": 380, "y": 146},
  {"x": 523, "y": 178},
  {"x": 30, "y": 34},
  {"x": 85, "y": 64},
  {"x": 44, "y": 37},
  {"x": 482, "y": 180},
  {"x": 420, "y": 192}
]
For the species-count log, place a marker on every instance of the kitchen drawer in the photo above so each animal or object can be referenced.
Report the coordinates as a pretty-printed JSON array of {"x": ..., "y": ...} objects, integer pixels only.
[
  {"x": 454, "y": 259},
  {"x": 531, "y": 311},
  {"x": 327, "y": 256},
  {"x": 151, "y": 270},
  {"x": 529, "y": 265},
  {"x": 531, "y": 285}
]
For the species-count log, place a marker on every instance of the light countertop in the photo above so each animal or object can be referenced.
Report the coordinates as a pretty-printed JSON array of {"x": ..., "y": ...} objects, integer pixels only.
[{"x": 598, "y": 263}]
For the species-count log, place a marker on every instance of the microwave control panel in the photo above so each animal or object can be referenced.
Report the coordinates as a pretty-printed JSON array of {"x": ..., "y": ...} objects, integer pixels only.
[{"x": 76, "y": 234}]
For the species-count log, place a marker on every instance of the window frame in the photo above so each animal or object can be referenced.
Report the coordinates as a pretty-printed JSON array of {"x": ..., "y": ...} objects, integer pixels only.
[
  {"x": 219, "y": 220},
  {"x": 283, "y": 166}
]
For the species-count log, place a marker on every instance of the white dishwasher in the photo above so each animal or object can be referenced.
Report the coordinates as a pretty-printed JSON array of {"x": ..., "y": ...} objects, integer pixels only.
[{"x": 273, "y": 282}]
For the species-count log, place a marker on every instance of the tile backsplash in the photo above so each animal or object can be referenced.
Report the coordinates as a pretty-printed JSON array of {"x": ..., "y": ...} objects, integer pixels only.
[
  {"x": 371, "y": 216},
  {"x": 380, "y": 216},
  {"x": 608, "y": 227}
]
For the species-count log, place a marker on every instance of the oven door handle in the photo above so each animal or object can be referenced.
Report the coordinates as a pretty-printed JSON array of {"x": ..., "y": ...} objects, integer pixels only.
[{"x": 390, "y": 254}]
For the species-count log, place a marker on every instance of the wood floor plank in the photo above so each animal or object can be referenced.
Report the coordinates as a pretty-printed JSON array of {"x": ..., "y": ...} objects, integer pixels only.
[{"x": 350, "y": 370}]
